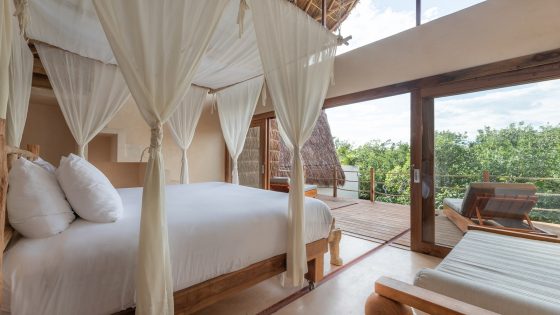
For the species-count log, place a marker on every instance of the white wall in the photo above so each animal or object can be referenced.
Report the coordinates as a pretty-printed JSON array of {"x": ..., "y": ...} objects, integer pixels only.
[
  {"x": 206, "y": 154},
  {"x": 46, "y": 126},
  {"x": 491, "y": 31}
]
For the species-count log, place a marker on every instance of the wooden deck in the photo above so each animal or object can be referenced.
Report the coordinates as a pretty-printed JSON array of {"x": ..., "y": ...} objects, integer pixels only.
[
  {"x": 390, "y": 223},
  {"x": 384, "y": 222}
]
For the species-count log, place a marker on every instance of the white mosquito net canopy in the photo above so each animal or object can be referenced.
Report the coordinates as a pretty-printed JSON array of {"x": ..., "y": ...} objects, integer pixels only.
[{"x": 164, "y": 47}]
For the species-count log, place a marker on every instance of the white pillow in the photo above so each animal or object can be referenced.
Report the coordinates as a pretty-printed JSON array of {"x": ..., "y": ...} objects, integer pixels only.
[
  {"x": 36, "y": 204},
  {"x": 45, "y": 165},
  {"x": 89, "y": 192}
]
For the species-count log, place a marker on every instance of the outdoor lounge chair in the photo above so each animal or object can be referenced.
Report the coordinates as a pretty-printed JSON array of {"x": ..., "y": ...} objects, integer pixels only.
[
  {"x": 502, "y": 205},
  {"x": 282, "y": 184}
]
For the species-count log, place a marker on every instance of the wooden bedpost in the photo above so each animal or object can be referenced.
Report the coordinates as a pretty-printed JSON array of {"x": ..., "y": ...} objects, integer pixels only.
[
  {"x": 334, "y": 245},
  {"x": 3, "y": 193},
  {"x": 34, "y": 148}
]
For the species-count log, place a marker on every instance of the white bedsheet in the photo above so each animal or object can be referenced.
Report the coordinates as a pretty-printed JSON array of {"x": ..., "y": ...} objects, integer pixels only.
[{"x": 214, "y": 229}]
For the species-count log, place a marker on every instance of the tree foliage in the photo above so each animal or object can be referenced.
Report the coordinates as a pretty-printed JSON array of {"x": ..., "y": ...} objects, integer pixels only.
[{"x": 518, "y": 153}]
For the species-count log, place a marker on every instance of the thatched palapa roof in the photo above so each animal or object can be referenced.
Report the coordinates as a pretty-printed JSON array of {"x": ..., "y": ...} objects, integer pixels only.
[
  {"x": 319, "y": 155},
  {"x": 337, "y": 10}
]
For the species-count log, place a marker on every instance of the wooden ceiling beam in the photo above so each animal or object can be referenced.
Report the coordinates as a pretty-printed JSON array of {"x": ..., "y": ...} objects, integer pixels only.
[
  {"x": 38, "y": 66},
  {"x": 308, "y": 5},
  {"x": 41, "y": 81},
  {"x": 324, "y": 13},
  {"x": 331, "y": 4}
]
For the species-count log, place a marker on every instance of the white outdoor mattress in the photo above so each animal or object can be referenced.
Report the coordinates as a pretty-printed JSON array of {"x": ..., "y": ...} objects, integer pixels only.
[
  {"x": 507, "y": 275},
  {"x": 214, "y": 229}
]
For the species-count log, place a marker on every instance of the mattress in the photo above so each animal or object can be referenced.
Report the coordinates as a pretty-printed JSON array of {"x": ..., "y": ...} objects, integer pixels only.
[
  {"x": 503, "y": 274},
  {"x": 214, "y": 229}
]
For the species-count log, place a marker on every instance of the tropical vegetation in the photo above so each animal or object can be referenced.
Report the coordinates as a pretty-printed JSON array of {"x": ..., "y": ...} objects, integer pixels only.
[{"x": 519, "y": 153}]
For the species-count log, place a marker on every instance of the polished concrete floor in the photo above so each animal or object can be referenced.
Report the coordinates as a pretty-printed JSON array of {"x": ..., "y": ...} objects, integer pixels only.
[{"x": 345, "y": 293}]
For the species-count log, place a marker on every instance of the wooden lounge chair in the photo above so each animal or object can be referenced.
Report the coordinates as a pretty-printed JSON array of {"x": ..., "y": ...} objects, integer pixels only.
[
  {"x": 282, "y": 184},
  {"x": 502, "y": 205},
  {"x": 484, "y": 282}
]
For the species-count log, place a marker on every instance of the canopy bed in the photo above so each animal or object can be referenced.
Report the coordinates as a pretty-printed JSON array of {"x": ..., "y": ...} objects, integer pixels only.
[
  {"x": 228, "y": 48},
  {"x": 204, "y": 262}
]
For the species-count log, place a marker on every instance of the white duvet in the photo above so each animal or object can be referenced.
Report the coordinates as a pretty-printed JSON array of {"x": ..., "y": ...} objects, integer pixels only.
[{"x": 214, "y": 229}]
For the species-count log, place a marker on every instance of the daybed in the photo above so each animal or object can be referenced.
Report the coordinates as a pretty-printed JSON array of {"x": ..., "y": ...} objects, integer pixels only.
[
  {"x": 489, "y": 270},
  {"x": 218, "y": 247},
  {"x": 502, "y": 205}
]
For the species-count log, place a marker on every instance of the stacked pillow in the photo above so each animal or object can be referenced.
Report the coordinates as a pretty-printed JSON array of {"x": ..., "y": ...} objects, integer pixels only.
[
  {"x": 40, "y": 199},
  {"x": 89, "y": 192},
  {"x": 36, "y": 203}
]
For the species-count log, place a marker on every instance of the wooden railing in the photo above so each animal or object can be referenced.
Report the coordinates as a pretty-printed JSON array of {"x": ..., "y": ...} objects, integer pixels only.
[{"x": 374, "y": 192}]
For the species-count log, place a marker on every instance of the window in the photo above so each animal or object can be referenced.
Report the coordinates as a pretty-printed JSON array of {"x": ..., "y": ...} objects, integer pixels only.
[
  {"x": 372, "y": 20},
  {"x": 434, "y": 9}
]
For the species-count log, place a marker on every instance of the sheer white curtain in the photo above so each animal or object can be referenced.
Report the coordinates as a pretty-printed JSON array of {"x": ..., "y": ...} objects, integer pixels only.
[
  {"x": 297, "y": 55},
  {"x": 236, "y": 105},
  {"x": 6, "y": 11},
  {"x": 21, "y": 74},
  {"x": 183, "y": 124},
  {"x": 158, "y": 46},
  {"x": 89, "y": 92}
]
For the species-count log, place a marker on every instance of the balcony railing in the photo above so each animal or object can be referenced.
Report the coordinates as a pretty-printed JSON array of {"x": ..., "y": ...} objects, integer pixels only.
[{"x": 445, "y": 184}]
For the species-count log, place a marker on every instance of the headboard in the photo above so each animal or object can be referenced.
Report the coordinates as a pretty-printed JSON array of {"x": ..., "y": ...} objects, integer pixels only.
[
  {"x": 7, "y": 155},
  {"x": 10, "y": 155}
]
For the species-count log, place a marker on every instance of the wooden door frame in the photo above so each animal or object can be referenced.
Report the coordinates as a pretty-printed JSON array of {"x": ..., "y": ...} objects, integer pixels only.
[
  {"x": 517, "y": 71},
  {"x": 521, "y": 70}
]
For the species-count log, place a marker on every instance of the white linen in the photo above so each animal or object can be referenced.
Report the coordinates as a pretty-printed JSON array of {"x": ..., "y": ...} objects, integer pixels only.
[
  {"x": 6, "y": 10},
  {"x": 89, "y": 92},
  {"x": 236, "y": 105},
  {"x": 36, "y": 204},
  {"x": 298, "y": 57},
  {"x": 90, "y": 193},
  {"x": 503, "y": 274},
  {"x": 230, "y": 59},
  {"x": 21, "y": 73},
  {"x": 214, "y": 229},
  {"x": 183, "y": 124},
  {"x": 74, "y": 26},
  {"x": 158, "y": 47}
]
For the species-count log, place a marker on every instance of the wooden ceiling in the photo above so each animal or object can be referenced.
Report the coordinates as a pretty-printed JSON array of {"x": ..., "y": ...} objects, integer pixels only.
[{"x": 337, "y": 11}]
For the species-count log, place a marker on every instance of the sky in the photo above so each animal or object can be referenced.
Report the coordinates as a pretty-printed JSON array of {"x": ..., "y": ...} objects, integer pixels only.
[{"x": 389, "y": 118}]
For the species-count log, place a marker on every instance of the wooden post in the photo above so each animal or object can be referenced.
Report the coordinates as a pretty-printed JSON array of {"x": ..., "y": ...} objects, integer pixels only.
[
  {"x": 486, "y": 176},
  {"x": 324, "y": 12},
  {"x": 34, "y": 148},
  {"x": 3, "y": 192},
  {"x": 335, "y": 182},
  {"x": 418, "y": 12},
  {"x": 372, "y": 184}
]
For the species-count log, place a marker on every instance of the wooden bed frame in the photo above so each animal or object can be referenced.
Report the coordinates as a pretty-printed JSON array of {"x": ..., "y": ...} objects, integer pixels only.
[
  {"x": 394, "y": 297},
  {"x": 199, "y": 296}
]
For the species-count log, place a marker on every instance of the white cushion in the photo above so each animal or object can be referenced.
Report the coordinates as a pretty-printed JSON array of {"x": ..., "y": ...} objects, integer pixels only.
[
  {"x": 507, "y": 275},
  {"x": 36, "y": 204},
  {"x": 89, "y": 192}
]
